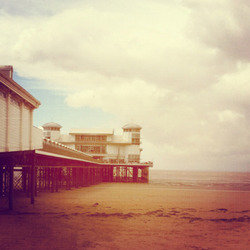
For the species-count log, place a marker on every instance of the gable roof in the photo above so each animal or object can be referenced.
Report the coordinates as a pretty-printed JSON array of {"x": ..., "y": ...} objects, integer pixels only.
[{"x": 10, "y": 84}]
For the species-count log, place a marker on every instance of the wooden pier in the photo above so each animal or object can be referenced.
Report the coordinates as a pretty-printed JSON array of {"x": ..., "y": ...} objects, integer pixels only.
[{"x": 34, "y": 171}]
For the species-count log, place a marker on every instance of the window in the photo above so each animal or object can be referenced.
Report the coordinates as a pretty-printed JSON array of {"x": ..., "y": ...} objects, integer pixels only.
[
  {"x": 136, "y": 141},
  {"x": 92, "y": 149},
  {"x": 47, "y": 135},
  {"x": 134, "y": 158}
]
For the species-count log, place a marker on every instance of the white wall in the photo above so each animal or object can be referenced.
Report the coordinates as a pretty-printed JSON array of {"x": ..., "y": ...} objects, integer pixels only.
[
  {"x": 55, "y": 135},
  {"x": 26, "y": 128},
  {"x": 112, "y": 149},
  {"x": 127, "y": 136},
  {"x": 37, "y": 138},
  {"x": 3, "y": 117},
  {"x": 14, "y": 125}
]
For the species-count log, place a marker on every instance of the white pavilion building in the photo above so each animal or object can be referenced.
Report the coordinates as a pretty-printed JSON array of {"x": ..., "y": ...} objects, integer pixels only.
[{"x": 101, "y": 144}]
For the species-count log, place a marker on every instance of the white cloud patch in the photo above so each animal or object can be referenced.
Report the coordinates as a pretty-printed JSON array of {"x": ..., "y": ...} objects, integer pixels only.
[{"x": 179, "y": 68}]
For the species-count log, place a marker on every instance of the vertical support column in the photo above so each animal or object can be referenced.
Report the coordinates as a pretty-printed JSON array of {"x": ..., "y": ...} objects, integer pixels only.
[
  {"x": 5, "y": 180},
  {"x": 35, "y": 177},
  {"x": 103, "y": 173},
  {"x": 118, "y": 174},
  {"x": 87, "y": 174},
  {"x": 49, "y": 178},
  {"x": 1, "y": 181},
  {"x": 81, "y": 177},
  {"x": 135, "y": 174},
  {"x": 40, "y": 178},
  {"x": 45, "y": 178},
  {"x": 90, "y": 176},
  {"x": 32, "y": 184},
  {"x": 145, "y": 175},
  {"x": 126, "y": 174},
  {"x": 99, "y": 175},
  {"x": 68, "y": 179},
  {"x": 111, "y": 174},
  {"x": 59, "y": 177},
  {"x": 94, "y": 175},
  {"x": 7, "y": 136},
  {"x": 52, "y": 175},
  {"x": 21, "y": 126},
  {"x": 27, "y": 172},
  {"x": 31, "y": 129},
  {"x": 56, "y": 175},
  {"x": 11, "y": 186},
  {"x": 76, "y": 177}
]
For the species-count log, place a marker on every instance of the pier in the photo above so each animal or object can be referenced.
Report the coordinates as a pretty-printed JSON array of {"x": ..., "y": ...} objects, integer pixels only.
[
  {"x": 35, "y": 171},
  {"x": 34, "y": 160}
]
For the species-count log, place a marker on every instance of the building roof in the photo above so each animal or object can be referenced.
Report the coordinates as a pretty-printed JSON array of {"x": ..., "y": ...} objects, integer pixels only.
[
  {"x": 92, "y": 131},
  {"x": 51, "y": 125},
  {"x": 131, "y": 125},
  {"x": 9, "y": 83}
]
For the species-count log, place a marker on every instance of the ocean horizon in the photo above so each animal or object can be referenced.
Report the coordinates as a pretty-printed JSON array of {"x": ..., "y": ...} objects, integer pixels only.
[{"x": 200, "y": 179}]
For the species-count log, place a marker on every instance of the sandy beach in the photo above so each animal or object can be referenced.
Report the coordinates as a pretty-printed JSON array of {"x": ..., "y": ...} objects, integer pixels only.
[{"x": 129, "y": 216}]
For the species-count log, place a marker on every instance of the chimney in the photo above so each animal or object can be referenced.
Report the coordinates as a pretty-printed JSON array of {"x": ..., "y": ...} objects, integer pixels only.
[{"x": 7, "y": 71}]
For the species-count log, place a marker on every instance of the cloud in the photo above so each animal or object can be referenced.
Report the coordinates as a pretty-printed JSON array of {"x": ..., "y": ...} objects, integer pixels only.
[
  {"x": 179, "y": 68},
  {"x": 223, "y": 25}
]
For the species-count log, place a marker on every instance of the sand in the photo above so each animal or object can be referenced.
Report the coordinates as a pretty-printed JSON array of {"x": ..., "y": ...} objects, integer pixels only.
[{"x": 129, "y": 216}]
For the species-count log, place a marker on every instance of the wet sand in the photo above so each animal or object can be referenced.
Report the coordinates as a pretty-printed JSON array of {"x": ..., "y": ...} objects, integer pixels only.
[{"x": 129, "y": 216}]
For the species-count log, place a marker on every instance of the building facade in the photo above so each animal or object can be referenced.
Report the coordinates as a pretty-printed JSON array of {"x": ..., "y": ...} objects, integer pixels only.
[
  {"x": 101, "y": 144},
  {"x": 16, "y": 115}
]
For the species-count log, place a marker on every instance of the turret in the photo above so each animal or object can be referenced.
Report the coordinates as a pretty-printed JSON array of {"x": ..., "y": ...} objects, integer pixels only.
[
  {"x": 132, "y": 132},
  {"x": 51, "y": 131}
]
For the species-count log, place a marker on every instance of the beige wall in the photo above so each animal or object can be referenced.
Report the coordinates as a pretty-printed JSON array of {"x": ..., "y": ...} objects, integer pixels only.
[{"x": 37, "y": 138}]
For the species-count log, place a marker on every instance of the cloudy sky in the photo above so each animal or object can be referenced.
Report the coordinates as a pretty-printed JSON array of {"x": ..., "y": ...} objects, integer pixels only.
[{"x": 180, "y": 69}]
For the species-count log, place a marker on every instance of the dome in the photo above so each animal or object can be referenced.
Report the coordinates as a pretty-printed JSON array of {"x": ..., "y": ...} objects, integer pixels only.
[
  {"x": 131, "y": 126},
  {"x": 51, "y": 125}
]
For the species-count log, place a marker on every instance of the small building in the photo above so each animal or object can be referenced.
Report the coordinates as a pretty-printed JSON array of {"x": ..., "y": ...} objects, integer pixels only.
[
  {"x": 102, "y": 144},
  {"x": 16, "y": 115}
]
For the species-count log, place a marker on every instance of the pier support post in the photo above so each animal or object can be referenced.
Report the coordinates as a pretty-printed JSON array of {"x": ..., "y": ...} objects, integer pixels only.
[
  {"x": 40, "y": 179},
  {"x": 126, "y": 174},
  {"x": 49, "y": 179},
  {"x": 111, "y": 174},
  {"x": 11, "y": 186},
  {"x": 52, "y": 173},
  {"x": 56, "y": 174},
  {"x": 32, "y": 184},
  {"x": 91, "y": 176},
  {"x": 1, "y": 181},
  {"x": 88, "y": 176},
  {"x": 35, "y": 181},
  {"x": 135, "y": 174},
  {"x": 68, "y": 179},
  {"x": 27, "y": 173},
  {"x": 145, "y": 175}
]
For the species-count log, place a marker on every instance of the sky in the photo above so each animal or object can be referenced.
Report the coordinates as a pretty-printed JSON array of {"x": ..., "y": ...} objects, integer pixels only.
[{"x": 179, "y": 68}]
